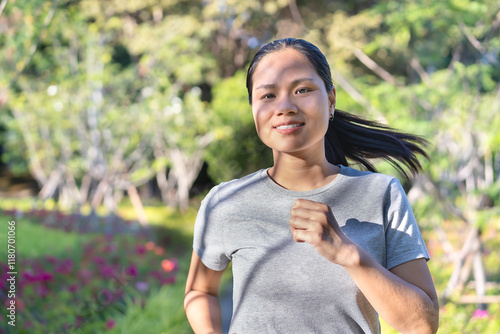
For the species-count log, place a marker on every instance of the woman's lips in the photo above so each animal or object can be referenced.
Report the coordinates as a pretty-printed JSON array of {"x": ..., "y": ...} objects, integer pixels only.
[{"x": 288, "y": 128}]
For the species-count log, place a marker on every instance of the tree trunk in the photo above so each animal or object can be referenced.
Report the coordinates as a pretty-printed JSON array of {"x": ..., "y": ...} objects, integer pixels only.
[
  {"x": 469, "y": 243},
  {"x": 136, "y": 202},
  {"x": 186, "y": 169},
  {"x": 479, "y": 275}
]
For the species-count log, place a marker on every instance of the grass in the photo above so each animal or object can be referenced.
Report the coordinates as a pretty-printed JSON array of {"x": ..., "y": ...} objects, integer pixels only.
[
  {"x": 34, "y": 240},
  {"x": 163, "y": 313}
]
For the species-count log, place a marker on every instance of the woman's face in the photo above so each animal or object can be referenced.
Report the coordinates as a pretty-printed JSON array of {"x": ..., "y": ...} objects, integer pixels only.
[{"x": 290, "y": 104}]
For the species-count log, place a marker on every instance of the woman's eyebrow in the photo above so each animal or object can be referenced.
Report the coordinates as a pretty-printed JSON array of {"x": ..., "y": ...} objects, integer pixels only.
[
  {"x": 266, "y": 86},
  {"x": 294, "y": 83}
]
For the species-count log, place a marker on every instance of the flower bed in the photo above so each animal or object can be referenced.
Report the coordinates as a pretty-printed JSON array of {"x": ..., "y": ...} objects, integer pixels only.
[{"x": 88, "y": 286}]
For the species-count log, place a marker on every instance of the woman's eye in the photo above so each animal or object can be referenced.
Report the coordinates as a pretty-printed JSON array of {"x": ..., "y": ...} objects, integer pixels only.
[
  {"x": 267, "y": 96},
  {"x": 303, "y": 90}
]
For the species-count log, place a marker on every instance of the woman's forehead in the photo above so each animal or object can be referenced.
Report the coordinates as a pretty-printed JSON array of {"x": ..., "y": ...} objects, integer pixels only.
[{"x": 283, "y": 63}]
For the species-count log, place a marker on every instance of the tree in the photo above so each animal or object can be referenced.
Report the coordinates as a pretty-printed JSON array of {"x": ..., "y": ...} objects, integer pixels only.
[{"x": 84, "y": 125}]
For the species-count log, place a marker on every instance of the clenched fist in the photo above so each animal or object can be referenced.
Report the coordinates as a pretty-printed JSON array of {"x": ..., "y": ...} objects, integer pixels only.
[{"x": 315, "y": 223}]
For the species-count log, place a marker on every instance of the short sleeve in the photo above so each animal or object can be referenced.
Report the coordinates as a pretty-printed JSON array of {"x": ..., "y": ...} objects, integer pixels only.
[
  {"x": 208, "y": 239},
  {"x": 404, "y": 241}
]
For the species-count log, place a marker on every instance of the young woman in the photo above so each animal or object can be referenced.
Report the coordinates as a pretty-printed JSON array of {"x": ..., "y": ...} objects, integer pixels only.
[{"x": 316, "y": 246}]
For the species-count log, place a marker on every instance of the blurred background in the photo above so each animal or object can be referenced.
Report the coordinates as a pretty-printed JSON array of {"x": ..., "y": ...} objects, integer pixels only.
[{"x": 117, "y": 117}]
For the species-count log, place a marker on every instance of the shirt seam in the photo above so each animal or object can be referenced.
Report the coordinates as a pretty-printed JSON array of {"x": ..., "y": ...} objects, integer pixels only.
[{"x": 303, "y": 194}]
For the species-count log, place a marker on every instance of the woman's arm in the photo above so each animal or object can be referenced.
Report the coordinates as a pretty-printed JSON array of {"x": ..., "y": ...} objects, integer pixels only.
[
  {"x": 404, "y": 296},
  {"x": 201, "y": 301}
]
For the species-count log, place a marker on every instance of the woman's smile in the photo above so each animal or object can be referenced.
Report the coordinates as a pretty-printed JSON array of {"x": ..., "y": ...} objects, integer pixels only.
[{"x": 289, "y": 127}]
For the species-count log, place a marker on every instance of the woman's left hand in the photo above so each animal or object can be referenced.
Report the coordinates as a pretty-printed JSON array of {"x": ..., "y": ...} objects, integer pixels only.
[{"x": 314, "y": 222}]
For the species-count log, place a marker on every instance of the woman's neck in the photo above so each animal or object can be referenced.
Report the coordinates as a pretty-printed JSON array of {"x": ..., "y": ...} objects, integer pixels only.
[{"x": 302, "y": 175}]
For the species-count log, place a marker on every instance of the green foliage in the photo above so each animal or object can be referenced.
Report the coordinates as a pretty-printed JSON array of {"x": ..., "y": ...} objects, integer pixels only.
[{"x": 163, "y": 312}]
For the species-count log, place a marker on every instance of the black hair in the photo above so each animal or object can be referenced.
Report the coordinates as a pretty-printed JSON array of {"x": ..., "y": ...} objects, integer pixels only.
[{"x": 349, "y": 136}]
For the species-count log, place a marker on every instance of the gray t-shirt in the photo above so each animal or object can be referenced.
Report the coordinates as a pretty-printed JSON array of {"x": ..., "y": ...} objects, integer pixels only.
[{"x": 280, "y": 286}]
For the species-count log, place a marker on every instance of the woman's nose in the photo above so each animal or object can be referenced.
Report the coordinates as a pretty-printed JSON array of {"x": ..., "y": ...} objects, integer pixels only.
[{"x": 285, "y": 105}]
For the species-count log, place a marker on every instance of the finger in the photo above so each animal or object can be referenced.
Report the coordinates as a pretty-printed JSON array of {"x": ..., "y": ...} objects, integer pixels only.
[
  {"x": 305, "y": 223},
  {"x": 309, "y": 236},
  {"x": 304, "y": 218},
  {"x": 302, "y": 229},
  {"x": 312, "y": 214},
  {"x": 307, "y": 204},
  {"x": 312, "y": 206},
  {"x": 299, "y": 235}
]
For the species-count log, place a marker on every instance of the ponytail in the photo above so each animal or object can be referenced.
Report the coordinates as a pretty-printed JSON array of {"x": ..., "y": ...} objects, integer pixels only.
[{"x": 358, "y": 139}]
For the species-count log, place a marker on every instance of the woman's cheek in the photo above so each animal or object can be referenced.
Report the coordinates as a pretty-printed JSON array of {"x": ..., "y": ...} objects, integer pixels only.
[
  {"x": 260, "y": 125},
  {"x": 259, "y": 118}
]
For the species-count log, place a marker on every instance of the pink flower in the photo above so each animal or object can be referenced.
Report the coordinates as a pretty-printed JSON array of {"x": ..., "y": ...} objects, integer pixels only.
[
  {"x": 110, "y": 324},
  {"x": 168, "y": 280},
  {"x": 105, "y": 297},
  {"x": 480, "y": 314},
  {"x": 27, "y": 275},
  {"x": 9, "y": 212},
  {"x": 60, "y": 216},
  {"x": 149, "y": 245},
  {"x": 65, "y": 267},
  {"x": 41, "y": 290},
  {"x": 85, "y": 275},
  {"x": 157, "y": 274},
  {"x": 169, "y": 265},
  {"x": 140, "y": 249},
  {"x": 107, "y": 271},
  {"x": 73, "y": 288},
  {"x": 131, "y": 270},
  {"x": 45, "y": 276},
  {"x": 51, "y": 259},
  {"x": 78, "y": 321}
]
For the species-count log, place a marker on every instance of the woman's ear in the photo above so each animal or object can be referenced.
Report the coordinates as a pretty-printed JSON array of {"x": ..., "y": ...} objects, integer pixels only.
[{"x": 333, "y": 100}]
